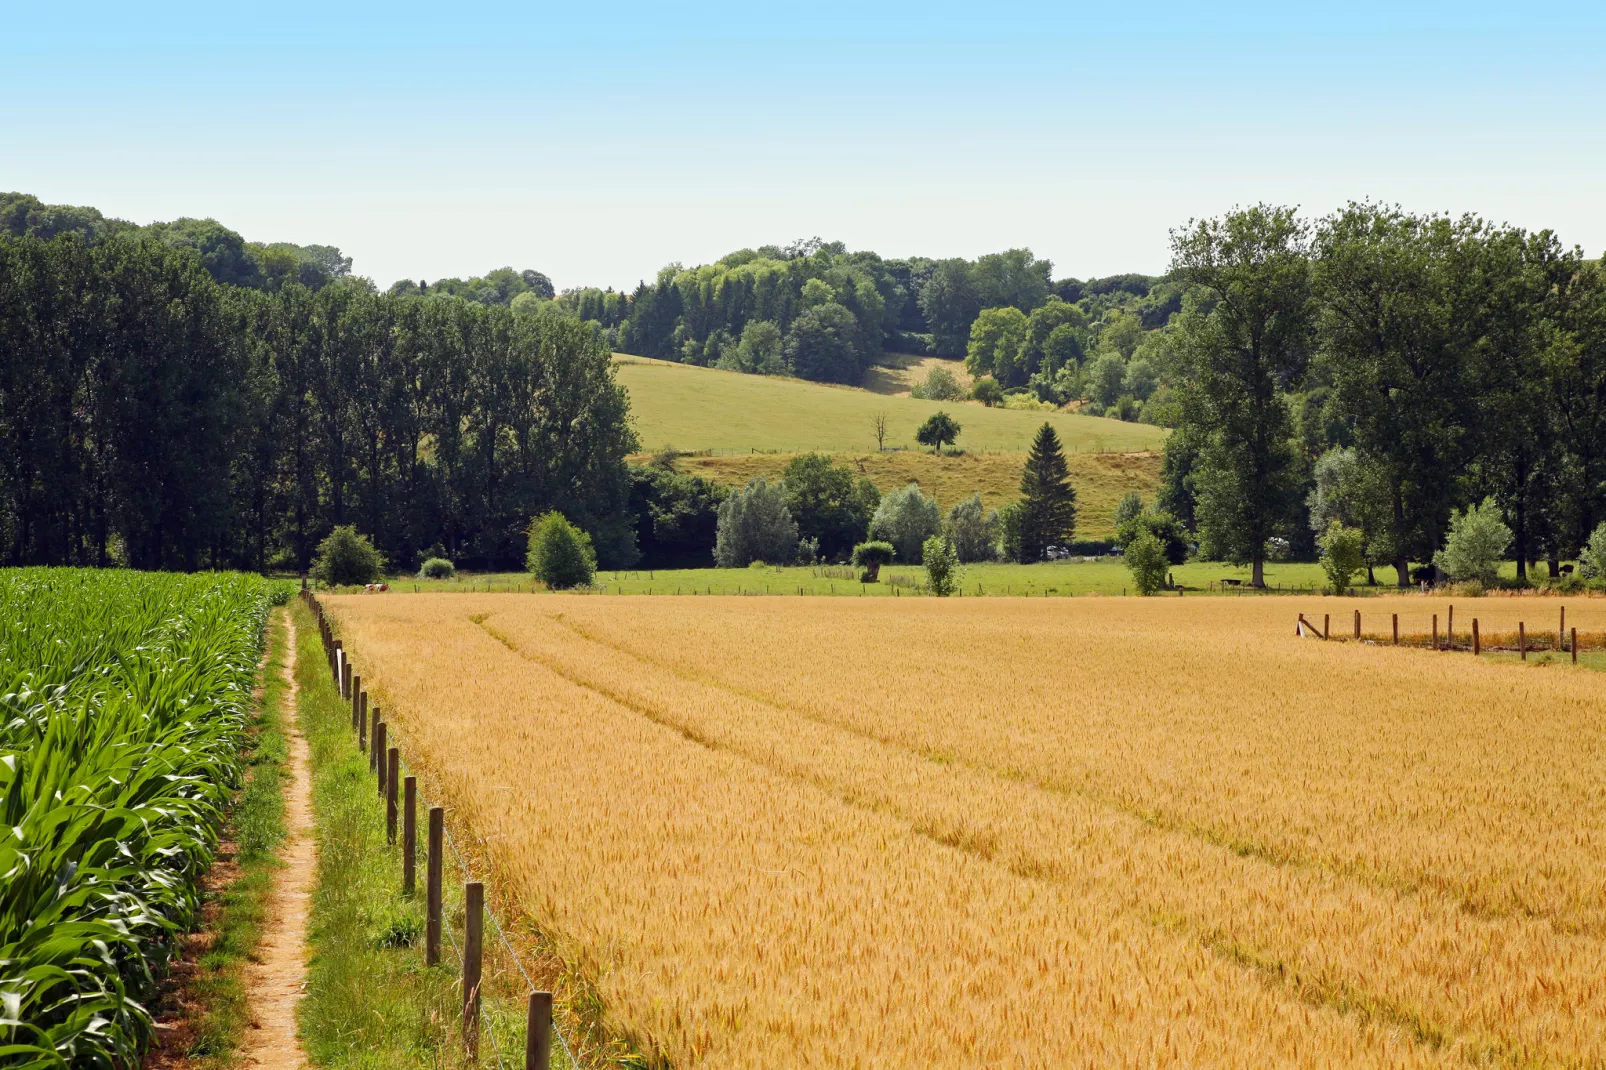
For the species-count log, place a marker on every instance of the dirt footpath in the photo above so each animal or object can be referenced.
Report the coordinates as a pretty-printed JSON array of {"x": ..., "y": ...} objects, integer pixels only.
[{"x": 276, "y": 981}]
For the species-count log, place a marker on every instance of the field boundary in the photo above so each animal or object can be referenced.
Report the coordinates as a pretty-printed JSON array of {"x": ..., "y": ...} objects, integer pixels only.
[
  {"x": 402, "y": 810},
  {"x": 1475, "y": 641}
]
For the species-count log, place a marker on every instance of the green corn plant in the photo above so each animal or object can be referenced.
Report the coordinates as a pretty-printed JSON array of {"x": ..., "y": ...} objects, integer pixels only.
[{"x": 124, "y": 702}]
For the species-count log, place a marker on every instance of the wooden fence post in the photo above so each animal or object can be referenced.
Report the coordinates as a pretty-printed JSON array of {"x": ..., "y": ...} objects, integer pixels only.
[
  {"x": 356, "y": 701},
  {"x": 377, "y": 758},
  {"x": 432, "y": 887},
  {"x": 1575, "y": 646},
  {"x": 538, "y": 1033},
  {"x": 1327, "y": 623},
  {"x": 1476, "y": 649},
  {"x": 392, "y": 762},
  {"x": 1449, "y": 630},
  {"x": 1396, "y": 629},
  {"x": 1357, "y": 624},
  {"x": 373, "y": 733},
  {"x": 473, "y": 950},
  {"x": 410, "y": 837},
  {"x": 1435, "y": 631},
  {"x": 1561, "y": 633},
  {"x": 1522, "y": 640}
]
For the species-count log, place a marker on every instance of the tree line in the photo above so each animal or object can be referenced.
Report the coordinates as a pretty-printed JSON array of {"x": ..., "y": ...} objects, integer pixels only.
[
  {"x": 156, "y": 417},
  {"x": 1382, "y": 369}
]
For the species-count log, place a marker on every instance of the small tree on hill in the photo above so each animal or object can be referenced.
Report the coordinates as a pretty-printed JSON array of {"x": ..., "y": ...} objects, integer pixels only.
[
  {"x": 346, "y": 557},
  {"x": 1129, "y": 509},
  {"x": 1145, "y": 558},
  {"x": 560, "y": 554},
  {"x": 755, "y": 525},
  {"x": 1343, "y": 555},
  {"x": 1048, "y": 501},
  {"x": 942, "y": 565},
  {"x": 868, "y": 557},
  {"x": 939, "y": 430},
  {"x": 1477, "y": 541},
  {"x": 906, "y": 518}
]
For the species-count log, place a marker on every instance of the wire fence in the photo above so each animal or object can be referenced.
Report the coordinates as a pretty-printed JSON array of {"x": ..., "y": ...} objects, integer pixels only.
[{"x": 486, "y": 1021}]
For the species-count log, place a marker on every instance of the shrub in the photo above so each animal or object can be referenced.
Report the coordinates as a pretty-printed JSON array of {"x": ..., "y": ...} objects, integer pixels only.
[
  {"x": 942, "y": 565},
  {"x": 1145, "y": 558},
  {"x": 1129, "y": 509},
  {"x": 906, "y": 518},
  {"x": 1343, "y": 555},
  {"x": 560, "y": 553},
  {"x": 1163, "y": 526},
  {"x": 346, "y": 557},
  {"x": 868, "y": 557},
  {"x": 437, "y": 568},
  {"x": 1592, "y": 558},
  {"x": 987, "y": 391},
  {"x": 939, "y": 385},
  {"x": 755, "y": 525},
  {"x": 1477, "y": 541},
  {"x": 974, "y": 532}
]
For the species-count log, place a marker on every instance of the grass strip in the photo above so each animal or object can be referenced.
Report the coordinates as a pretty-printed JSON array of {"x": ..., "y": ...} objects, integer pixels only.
[{"x": 371, "y": 1001}]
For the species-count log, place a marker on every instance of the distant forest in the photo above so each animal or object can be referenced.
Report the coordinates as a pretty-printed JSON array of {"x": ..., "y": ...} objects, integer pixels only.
[{"x": 175, "y": 396}]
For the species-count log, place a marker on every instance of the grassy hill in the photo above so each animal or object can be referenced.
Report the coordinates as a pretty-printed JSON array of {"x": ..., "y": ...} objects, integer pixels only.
[
  {"x": 1100, "y": 479},
  {"x": 698, "y": 409}
]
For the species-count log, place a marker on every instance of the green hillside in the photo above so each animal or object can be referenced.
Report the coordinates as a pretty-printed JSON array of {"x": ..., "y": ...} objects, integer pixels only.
[{"x": 694, "y": 408}]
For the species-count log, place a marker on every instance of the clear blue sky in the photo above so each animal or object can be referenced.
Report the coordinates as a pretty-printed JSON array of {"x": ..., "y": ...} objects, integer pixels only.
[{"x": 599, "y": 142}]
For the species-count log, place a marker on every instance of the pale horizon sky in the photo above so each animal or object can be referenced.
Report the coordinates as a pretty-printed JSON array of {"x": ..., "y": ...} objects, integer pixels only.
[{"x": 598, "y": 145}]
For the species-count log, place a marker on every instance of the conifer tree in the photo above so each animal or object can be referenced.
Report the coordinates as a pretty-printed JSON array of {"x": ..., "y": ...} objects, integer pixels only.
[{"x": 1048, "y": 501}]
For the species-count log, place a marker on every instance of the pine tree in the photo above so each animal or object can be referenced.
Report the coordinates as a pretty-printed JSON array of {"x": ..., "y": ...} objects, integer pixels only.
[{"x": 1048, "y": 501}]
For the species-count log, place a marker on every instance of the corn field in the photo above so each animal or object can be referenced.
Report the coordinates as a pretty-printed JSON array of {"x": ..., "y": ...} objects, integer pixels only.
[
  {"x": 1032, "y": 833},
  {"x": 126, "y": 699}
]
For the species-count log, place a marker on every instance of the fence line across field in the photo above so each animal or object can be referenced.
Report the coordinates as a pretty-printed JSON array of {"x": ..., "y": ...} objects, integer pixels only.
[
  {"x": 387, "y": 766},
  {"x": 1562, "y": 640}
]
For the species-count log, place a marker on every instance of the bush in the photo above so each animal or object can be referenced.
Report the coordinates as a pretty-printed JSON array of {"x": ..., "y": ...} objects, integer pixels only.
[
  {"x": 906, "y": 518},
  {"x": 1592, "y": 558},
  {"x": 1145, "y": 558},
  {"x": 437, "y": 568},
  {"x": 1167, "y": 529},
  {"x": 755, "y": 525},
  {"x": 1477, "y": 542},
  {"x": 345, "y": 557},
  {"x": 942, "y": 565},
  {"x": 974, "y": 532},
  {"x": 868, "y": 557},
  {"x": 1343, "y": 555},
  {"x": 987, "y": 391},
  {"x": 939, "y": 385},
  {"x": 560, "y": 553}
]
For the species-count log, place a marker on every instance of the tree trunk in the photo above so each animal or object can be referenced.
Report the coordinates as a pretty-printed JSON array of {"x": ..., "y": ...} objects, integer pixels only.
[{"x": 1257, "y": 573}]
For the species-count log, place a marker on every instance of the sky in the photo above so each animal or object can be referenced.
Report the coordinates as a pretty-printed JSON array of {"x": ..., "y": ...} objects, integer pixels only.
[{"x": 598, "y": 143}]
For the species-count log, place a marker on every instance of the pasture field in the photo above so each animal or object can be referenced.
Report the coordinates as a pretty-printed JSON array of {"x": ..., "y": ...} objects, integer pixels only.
[
  {"x": 1101, "y": 479},
  {"x": 694, "y": 408},
  {"x": 1044, "y": 832}
]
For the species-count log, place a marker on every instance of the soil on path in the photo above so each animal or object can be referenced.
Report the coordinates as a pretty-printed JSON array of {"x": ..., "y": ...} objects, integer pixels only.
[{"x": 276, "y": 980}]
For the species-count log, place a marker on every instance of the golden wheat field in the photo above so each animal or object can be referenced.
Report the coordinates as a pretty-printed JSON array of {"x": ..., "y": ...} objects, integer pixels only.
[{"x": 1003, "y": 832}]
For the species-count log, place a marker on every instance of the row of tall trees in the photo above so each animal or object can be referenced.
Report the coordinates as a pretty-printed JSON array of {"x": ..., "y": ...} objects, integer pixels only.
[
  {"x": 1380, "y": 369},
  {"x": 156, "y": 417}
]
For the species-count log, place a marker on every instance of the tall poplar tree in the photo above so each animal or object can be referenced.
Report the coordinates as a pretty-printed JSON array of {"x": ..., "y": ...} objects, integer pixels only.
[
  {"x": 1241, "y": 349},
  {"x": 1048, "y": 501}
]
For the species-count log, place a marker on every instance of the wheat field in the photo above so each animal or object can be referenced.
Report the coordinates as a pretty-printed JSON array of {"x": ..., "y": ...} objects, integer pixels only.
[{"x": 1003, "y": 832}]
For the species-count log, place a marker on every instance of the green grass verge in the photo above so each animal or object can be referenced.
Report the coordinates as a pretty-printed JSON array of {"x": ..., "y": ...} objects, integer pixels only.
[{"x": 371, "y": 1002}]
